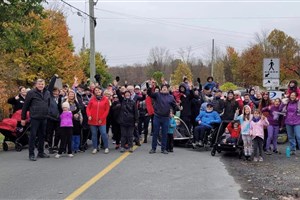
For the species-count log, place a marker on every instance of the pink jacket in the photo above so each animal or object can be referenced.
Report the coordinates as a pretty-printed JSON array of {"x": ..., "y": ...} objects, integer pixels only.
[
  {"x": 257, "y": 128},
  {"x": 66, "y": 119}
]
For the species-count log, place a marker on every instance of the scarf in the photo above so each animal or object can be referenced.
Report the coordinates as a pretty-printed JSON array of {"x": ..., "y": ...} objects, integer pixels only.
[
  {"x": 256, "y": 119},
  {"x": 98, "y": 97}
]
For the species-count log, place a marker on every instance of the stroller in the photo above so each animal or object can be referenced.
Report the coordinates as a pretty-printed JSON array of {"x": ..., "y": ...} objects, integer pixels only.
[
  {"x": 14, "y": 132},
  {"x": 182, "y": 134},
  {"x": 219, "y": 146}
]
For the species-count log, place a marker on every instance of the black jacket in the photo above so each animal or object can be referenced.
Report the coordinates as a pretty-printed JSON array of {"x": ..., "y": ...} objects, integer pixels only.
[
  {"x": 229, "y": 109},
  {"x": 128, "y": 113},
  {"x": 17, "y": 104},
  {"x": 37, "y": 103}
]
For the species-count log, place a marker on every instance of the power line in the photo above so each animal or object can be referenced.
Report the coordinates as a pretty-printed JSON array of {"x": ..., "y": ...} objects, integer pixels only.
[
  {"x": 80, "y": 11},
  {"x": 205, "y": 18},
  {"x": 207, "y": 29}
]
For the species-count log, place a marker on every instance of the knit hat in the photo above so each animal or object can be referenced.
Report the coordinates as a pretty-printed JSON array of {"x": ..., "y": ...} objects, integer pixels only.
[
  {"x": 65, "y": 105},
  {"x": 164, "y": 85},
  {"x": 230, "y": 92}
]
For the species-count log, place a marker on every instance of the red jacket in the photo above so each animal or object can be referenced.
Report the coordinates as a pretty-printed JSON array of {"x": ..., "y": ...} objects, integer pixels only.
[
  {"x": 149, "y": 106},
  {"x": 234, "y": 133},
  {"x": 98, "y": 110}
]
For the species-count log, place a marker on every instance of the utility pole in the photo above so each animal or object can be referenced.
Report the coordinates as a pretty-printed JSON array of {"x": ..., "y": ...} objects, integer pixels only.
[
  {"x": 212, "y": 57},
  {"x": 92, "y": 41}
]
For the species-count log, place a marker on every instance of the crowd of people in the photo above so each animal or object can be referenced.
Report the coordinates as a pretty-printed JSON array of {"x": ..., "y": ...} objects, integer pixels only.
[{"x": 64, "y": 119}]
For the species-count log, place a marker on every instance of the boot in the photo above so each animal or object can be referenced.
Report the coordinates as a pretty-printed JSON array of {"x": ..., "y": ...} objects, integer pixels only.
[{"x": 145, "y": 138}]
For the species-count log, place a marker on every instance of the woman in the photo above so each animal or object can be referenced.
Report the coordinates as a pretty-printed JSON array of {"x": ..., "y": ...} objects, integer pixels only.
[
  {"x": 97, "y": 111},
  {"x": 230, "y": 106},
  {"x": 18, "y": 101},
  {"x": 293, "y": 87},
  {"x": 292, "y": 121}
]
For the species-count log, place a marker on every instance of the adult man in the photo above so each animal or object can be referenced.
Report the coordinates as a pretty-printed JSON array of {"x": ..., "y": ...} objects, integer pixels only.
[
  {"x": 37, "y": 101},
  {"x": 164, "y": 102}
]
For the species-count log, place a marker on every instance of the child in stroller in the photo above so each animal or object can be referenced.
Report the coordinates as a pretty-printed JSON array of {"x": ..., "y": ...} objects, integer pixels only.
[
  {"x": 230, "y": 141},
  {"x": 232, "y": 133},
  {"x": 14, "y": 132}
]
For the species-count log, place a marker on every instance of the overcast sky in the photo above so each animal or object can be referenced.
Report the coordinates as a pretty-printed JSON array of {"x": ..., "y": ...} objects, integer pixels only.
[{"x": 127, "y": 30}]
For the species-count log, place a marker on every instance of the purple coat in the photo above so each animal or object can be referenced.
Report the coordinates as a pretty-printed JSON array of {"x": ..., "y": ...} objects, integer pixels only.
[
  {"x": 66, "y": 119},
  {"x": 292, "y": 116},
  {"x": 273, "y": 117}
]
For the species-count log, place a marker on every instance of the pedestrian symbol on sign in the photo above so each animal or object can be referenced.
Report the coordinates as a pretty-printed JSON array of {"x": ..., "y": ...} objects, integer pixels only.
[{"x": 271, "y": 65}]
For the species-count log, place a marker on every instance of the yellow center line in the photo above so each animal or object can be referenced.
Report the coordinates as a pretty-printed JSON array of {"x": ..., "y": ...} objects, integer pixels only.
[{"x": 97, "y": 177}]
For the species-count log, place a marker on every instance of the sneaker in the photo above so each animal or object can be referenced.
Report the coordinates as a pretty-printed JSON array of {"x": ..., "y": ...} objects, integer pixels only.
[
  {"x": 114, "y": 142},
  {"x": 137, "y": 143},
  {"x": 293, "y": 152},
  {"x": 268, "y": 152},
  {"x": 43, "y": 155},
  {"x": 70, "y": 155},
  {"x": 57, "y": 156},
  {"x": 131, "y": 150},
  {"x": 171, "y": 150},
  {"x": 32, "y": 158},
  {"x": 194, "y": 145},
  {"x": 255, "y": 159},
  {"x": 260, "y": 159},
  {"x": 117, "y": 146},
  {"x": 122, "y": 150},
  {"x": 200, "y": 143},
  {"x": 152, "y": 151},
  {"x": 106, "y": 150},
  {"x": 164, "y": 152},
  {"x": 94, "y": 151},
  {"x": 275, "y": 151}
]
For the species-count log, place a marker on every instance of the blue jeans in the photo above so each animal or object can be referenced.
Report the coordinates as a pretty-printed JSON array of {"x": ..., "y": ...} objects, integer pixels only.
[
  {"x": 293, "y": 132},
  {"x": 75, "y": 142},
  {"x": 163, "y": 123},
  {"x": 102, "y": 131},
  {"x": 37, "y": 128}
]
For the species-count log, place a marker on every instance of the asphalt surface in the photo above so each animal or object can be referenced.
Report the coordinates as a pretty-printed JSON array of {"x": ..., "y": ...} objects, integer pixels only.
[{"x": 184, "y": 174}]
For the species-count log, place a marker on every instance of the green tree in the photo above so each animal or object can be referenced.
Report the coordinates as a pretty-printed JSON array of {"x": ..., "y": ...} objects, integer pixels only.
[
  {"x": 101, "y": 66},
  {"x": 228, "y": 86},
  {"x": 19, "y": 23},
  {"x": 181, "y": 71},
  {"x": 157, "y": 76}
]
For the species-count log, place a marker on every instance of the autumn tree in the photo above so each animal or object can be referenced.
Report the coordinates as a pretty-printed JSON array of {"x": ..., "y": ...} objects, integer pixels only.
[
  {"x": 231, "y": 64},
  {"x": 181, "y": 71},
  {"x": 250, "y": 66},
  {"x": 287, "y": 49}
]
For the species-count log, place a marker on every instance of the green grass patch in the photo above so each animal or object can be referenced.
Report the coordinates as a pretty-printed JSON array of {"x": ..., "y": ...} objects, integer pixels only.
[{"x": 1, "y": 138}]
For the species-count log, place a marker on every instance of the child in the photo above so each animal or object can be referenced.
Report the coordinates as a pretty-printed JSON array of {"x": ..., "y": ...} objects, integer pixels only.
[
  {"x": 66, "y": 130},
  {"x": 257, "y": 132},
  {"x": 172, "y": 126},
  {"x": 245, "y": 118},
  {"x": 232, "y": 132},
  {"x": 274, "y": 120}
]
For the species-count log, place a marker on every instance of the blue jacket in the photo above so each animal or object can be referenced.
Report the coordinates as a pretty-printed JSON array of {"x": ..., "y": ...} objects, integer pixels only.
[
  {"x": 163, "y": 103},
  {"x": 208, "y": 118},
  {"x": 172, "y": 125}
]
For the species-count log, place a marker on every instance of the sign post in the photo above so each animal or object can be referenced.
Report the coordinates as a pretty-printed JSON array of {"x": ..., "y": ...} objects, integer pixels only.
[{"x": 271, "y": 72}]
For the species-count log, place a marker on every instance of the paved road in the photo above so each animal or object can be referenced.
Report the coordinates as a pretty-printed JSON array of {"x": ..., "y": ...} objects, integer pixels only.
[{"x": 184, "y": 174}]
